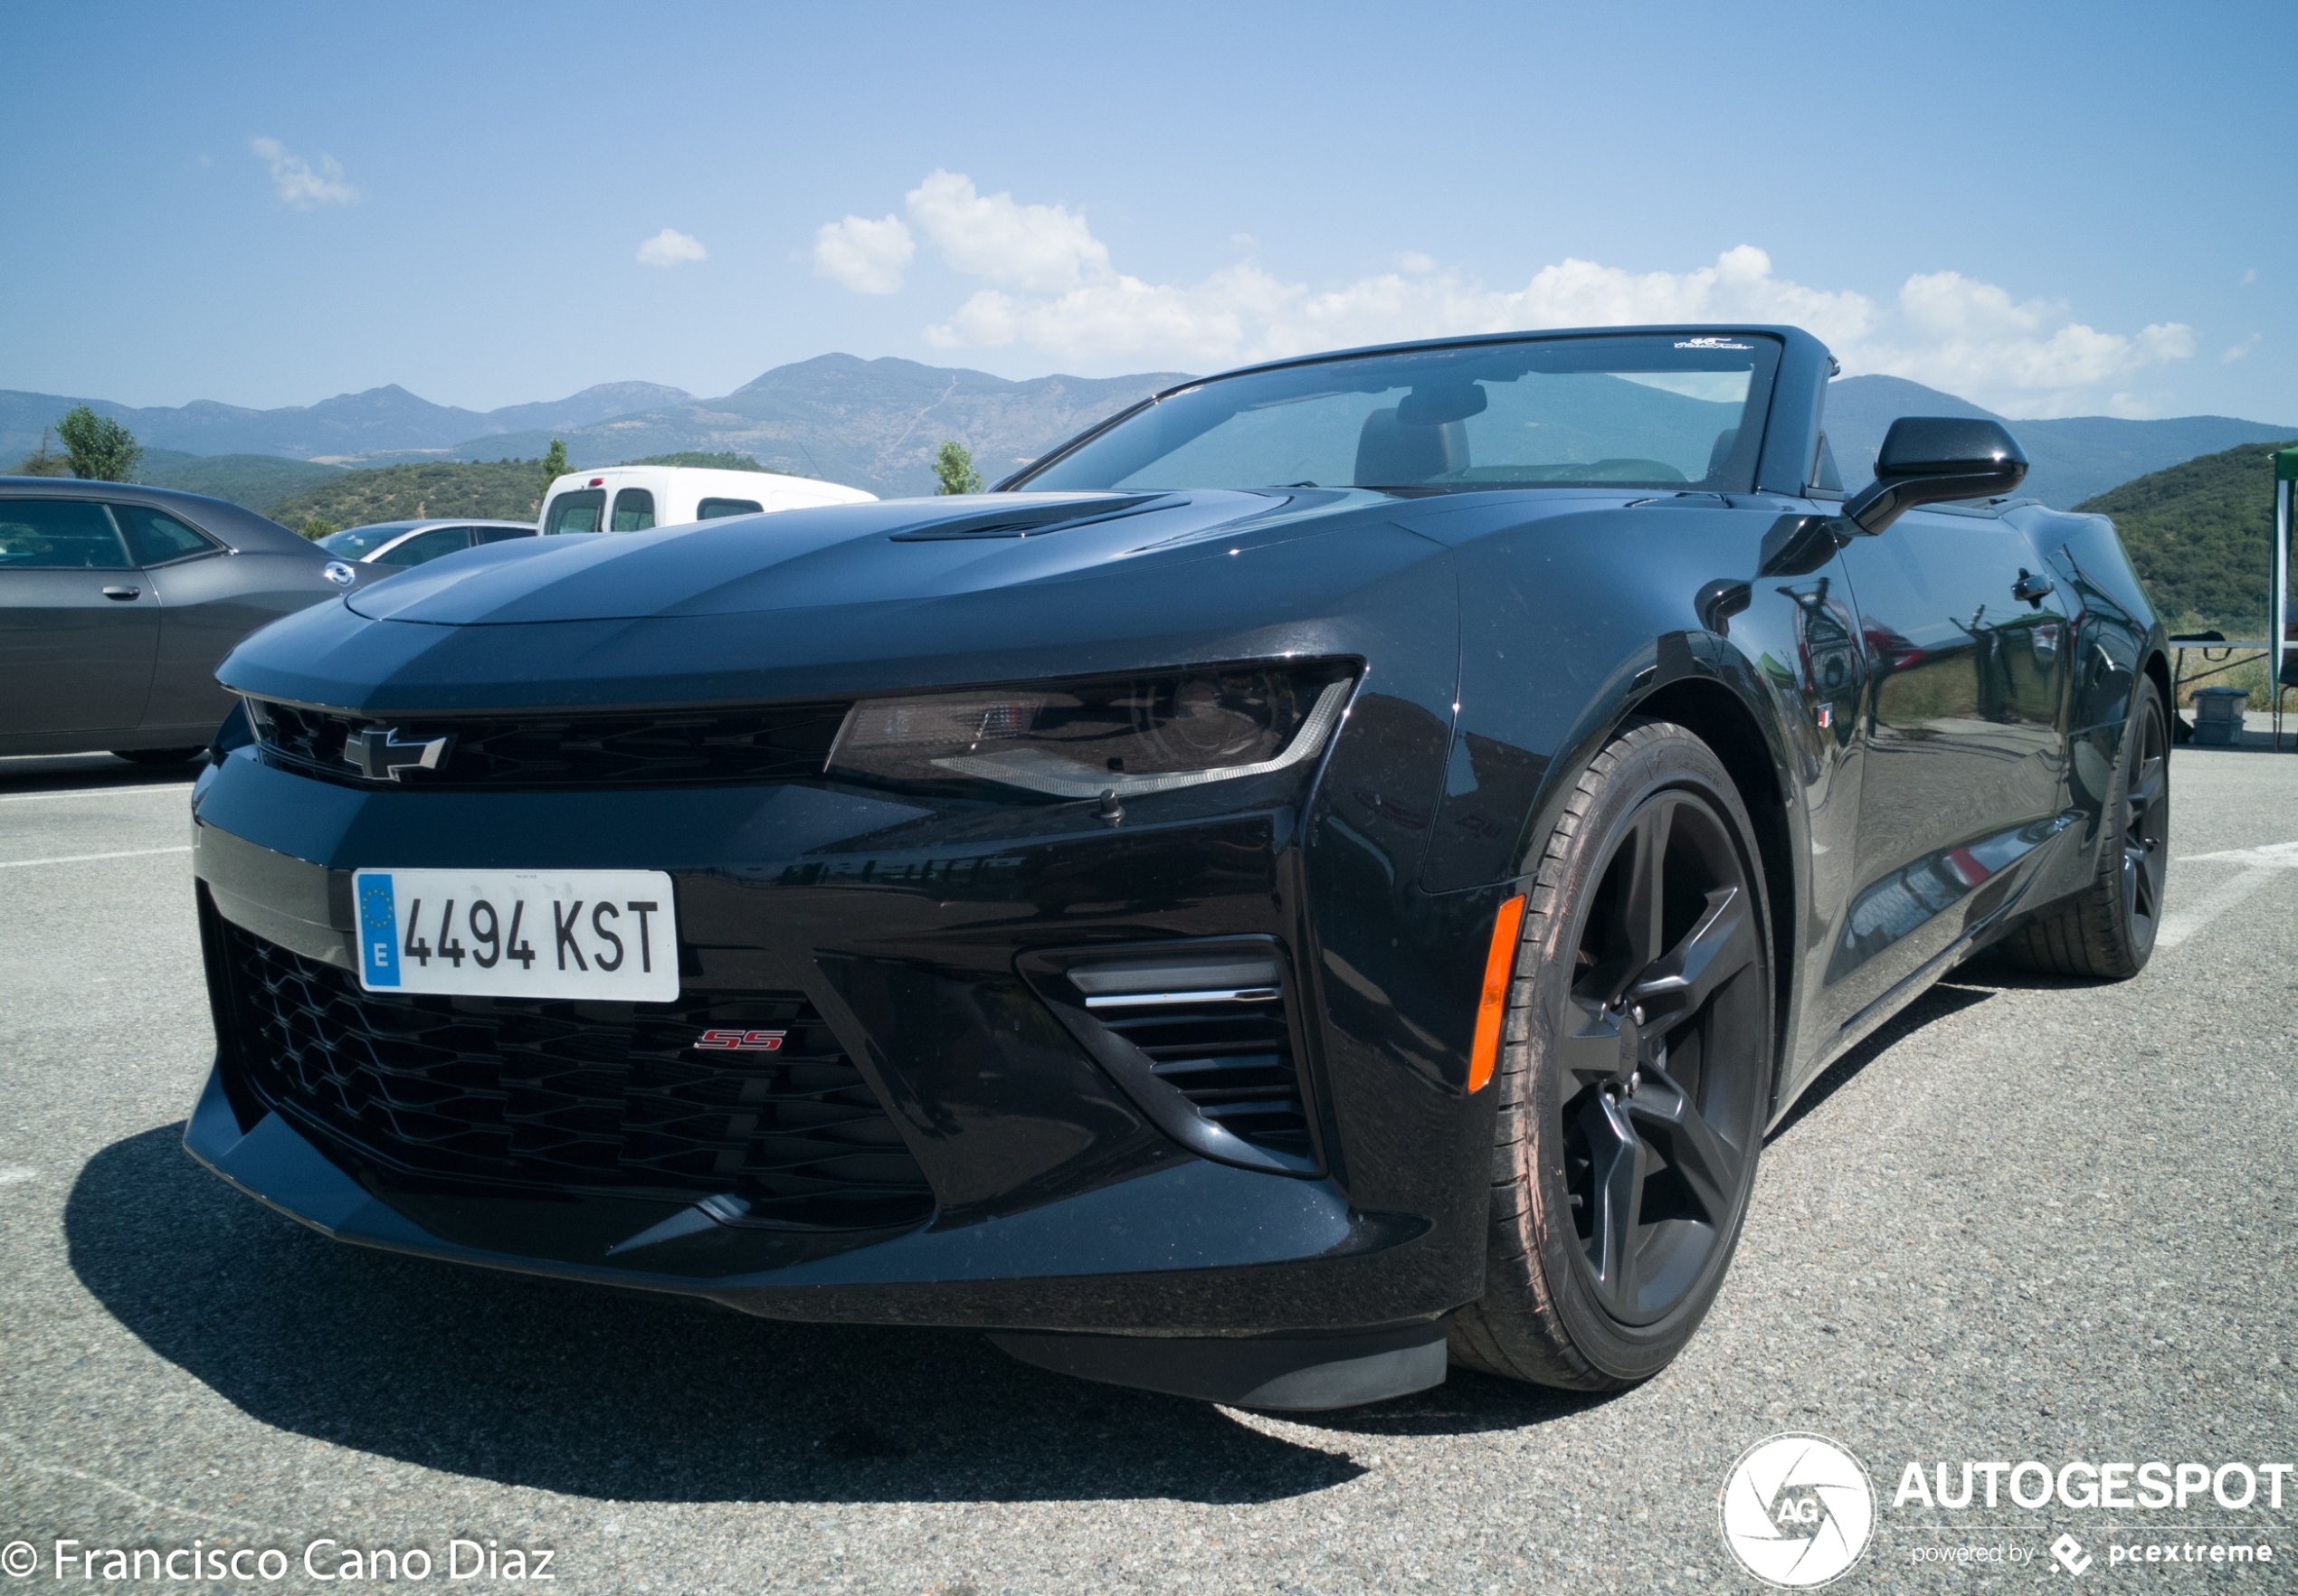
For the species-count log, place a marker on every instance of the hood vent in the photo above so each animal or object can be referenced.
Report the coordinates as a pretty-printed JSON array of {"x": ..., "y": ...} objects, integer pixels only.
[{"x": 1028, "y": 518}]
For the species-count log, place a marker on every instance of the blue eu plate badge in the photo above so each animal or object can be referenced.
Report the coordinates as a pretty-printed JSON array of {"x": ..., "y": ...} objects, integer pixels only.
[{"x": 378, "y": 930}]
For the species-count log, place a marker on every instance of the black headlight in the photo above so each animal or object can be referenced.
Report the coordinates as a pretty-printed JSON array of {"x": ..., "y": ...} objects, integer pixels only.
[{"x": 1130, "y": 737}]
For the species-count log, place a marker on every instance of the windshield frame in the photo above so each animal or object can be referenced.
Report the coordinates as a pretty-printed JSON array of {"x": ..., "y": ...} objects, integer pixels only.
[{"x": 1746, "y": 459}]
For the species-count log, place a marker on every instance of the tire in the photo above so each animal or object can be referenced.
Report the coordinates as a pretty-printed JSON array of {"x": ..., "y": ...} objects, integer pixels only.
[
  {"x": 158, "y": 756},
  {"x": 2106, "y": 931},
  {"x": 1612, "y": 1111}
]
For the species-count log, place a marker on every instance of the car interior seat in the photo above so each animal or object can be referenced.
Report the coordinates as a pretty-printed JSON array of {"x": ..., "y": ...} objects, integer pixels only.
[
  {"x": 1392, "y": 453},
  {"x": 1726, "y": 441}
]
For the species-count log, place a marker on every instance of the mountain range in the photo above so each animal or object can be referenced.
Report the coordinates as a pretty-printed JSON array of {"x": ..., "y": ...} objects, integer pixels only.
[
  {"x": 2070, "y": 459},
  {"x": 875, "y": 425},
  {"x": 350, "y": 429}
]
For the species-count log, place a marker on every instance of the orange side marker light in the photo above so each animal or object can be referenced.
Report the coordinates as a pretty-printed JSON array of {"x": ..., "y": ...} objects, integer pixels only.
[{"x": 1492, "y": 1004}]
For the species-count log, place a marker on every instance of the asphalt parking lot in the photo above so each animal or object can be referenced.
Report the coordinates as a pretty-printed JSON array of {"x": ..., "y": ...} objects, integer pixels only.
[{"x": 2032, "y": 1220}]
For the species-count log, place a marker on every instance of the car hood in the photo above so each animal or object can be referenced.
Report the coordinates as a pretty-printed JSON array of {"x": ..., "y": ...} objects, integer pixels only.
[
  {"x": 856, "y": 598},
  {"x": 899, "y": 549}
]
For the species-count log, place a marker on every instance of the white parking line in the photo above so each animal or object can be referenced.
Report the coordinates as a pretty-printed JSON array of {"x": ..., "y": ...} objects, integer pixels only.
[
  {"x": 2263, "y": 863},
  {"x": 98, "y": 791},
  {"x": 18, "y": 864}
]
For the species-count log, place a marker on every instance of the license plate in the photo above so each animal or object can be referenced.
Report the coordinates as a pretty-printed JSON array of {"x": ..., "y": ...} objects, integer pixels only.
[{"x": 564, "y": 934}]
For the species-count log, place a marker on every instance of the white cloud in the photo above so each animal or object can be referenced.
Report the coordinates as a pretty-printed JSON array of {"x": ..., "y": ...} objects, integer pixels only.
[
  {"x": 1043, "y": 248},
  {"x": 1050, "y": 286},
  {"x": 2021, "y": 357},
  {"x": 670, "y": 248},
  {"x": 298, "y": 182},
  {"x": 866, "y": 256},
  {"x": 2241, "y": 350}
]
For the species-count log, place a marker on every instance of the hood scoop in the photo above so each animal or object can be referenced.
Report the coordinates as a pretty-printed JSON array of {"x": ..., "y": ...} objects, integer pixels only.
[{"x": 1025, "y": 520}]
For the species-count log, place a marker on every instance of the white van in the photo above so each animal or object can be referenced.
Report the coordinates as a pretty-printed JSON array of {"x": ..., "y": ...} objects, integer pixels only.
[{"x": 633, "y": 498}]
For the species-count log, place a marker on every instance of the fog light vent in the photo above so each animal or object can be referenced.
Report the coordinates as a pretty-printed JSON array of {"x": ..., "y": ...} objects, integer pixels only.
[{"x": 1202, "y": 1036}]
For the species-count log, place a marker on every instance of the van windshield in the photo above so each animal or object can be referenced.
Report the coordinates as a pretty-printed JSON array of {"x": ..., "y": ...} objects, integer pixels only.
[
  {"x": 1669, "y": 409},
  {"x": 579, "y": 511}
]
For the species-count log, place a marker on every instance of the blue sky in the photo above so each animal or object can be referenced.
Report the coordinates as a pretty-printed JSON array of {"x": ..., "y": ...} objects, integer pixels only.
[{"x": 2050, "y": 209}]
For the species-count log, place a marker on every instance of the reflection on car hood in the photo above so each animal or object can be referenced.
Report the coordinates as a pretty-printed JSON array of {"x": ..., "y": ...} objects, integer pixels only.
[
  {"x": 838, "y": 555},
  {"x": 860, "y": 598}
]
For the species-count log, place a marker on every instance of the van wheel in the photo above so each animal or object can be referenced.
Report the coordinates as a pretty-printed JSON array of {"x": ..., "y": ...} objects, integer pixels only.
[{"x": 1635, "y": 1073}]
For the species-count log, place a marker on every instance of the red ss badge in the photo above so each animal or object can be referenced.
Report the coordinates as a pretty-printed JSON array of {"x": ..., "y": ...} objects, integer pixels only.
[{"x": 741, "y": 1041}]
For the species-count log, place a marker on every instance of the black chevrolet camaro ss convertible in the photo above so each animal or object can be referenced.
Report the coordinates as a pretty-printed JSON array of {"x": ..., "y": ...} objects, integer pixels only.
[{"x": 1336, "y": 868}]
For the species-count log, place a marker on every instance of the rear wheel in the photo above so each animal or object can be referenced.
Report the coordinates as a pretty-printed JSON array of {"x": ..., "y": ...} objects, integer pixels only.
[
  {"x": 2106, "y": 931},
  {"x": 1635, "y": 1072},
  {"x": 158, "y": 755}
]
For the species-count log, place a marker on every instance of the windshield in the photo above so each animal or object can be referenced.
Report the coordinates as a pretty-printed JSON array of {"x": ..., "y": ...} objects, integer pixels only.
[
  {"x": 1670, "y": 410},
  {"x": 362, "y": 540}
]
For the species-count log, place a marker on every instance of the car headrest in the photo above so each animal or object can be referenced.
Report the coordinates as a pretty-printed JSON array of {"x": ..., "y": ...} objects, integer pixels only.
[{"x": 1393, "y": 454}]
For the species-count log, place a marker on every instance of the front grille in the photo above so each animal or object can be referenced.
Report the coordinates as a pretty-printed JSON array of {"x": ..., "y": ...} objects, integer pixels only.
[
  {"x": 597, "y": 1098},
  {"x": 1232, "y": 1059},
  {"x": 697, "y": 747}
]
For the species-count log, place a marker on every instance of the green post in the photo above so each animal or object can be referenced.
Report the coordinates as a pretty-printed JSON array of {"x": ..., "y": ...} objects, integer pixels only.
[{"x": 2279, "y": 643}]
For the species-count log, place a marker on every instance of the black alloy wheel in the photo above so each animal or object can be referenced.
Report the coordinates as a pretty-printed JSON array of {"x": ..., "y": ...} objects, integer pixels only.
[
  {"x": 2146, "y": 825},
  {"x": 2106, "y": 931},
  {"x": 1635, "y": 1077},
  {"x": 1663, "y": 1075}
]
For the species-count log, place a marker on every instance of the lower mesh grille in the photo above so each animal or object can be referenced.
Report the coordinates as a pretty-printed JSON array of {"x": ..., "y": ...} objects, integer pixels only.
[
  {"x": 575, "y": 1097},
  {"x": 1232, "y": 1059}
]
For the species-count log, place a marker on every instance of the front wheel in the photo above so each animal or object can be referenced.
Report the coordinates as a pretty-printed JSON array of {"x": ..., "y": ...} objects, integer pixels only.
[{"x": 1634, "y": 1075}]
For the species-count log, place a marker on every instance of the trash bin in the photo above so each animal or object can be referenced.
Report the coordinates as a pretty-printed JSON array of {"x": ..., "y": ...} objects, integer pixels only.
[{"x": 2217, "y": 715}]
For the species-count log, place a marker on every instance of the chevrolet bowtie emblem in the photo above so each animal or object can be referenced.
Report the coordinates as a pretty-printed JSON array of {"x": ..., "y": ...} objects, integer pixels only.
[{"x": 381, "y": 756}]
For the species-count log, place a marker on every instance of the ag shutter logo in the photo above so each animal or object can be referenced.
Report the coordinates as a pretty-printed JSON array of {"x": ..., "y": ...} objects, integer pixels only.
[{"x": 1797, "y": 1510}]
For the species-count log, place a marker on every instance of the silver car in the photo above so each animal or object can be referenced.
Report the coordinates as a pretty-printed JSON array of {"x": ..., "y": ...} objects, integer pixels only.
[{"x": 401, "y": 544}]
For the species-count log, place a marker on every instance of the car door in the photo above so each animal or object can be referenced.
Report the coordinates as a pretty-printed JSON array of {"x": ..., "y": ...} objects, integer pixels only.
[
  {"x": 209, "y": 599},
  {"x": 79, "y": 625},
  {"x": 1965, "y": 757}
]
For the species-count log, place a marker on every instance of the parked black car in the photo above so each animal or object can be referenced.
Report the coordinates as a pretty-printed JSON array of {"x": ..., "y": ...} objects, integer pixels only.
[
  {"x": 1341, "y": 864},
  {"x": 401, "y": 544},
  {"x": 118, "y": 602}
]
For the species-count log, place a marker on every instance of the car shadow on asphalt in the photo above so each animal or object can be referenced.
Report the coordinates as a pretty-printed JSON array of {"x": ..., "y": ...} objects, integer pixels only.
[
  {"x": 597, "y": 1391},
  {"x": 1952, "y": 994}
]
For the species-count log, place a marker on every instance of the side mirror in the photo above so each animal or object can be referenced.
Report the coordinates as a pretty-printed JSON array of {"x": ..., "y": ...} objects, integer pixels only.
[{"x": 1931, "y": 459}]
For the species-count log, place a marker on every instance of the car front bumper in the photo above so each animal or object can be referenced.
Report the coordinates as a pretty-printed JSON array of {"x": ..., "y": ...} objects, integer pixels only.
[{"x": 1056, "y": 1204}]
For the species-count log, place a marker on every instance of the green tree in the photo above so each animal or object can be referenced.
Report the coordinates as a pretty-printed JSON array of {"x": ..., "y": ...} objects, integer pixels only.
[
  {"x": 953, "y": 464},
  {"x": 554, "y": 463},
  {"x": 43, "y": 461},
  {"x": 318, "y": 526},
  {"x": 100, "y": 450}
]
